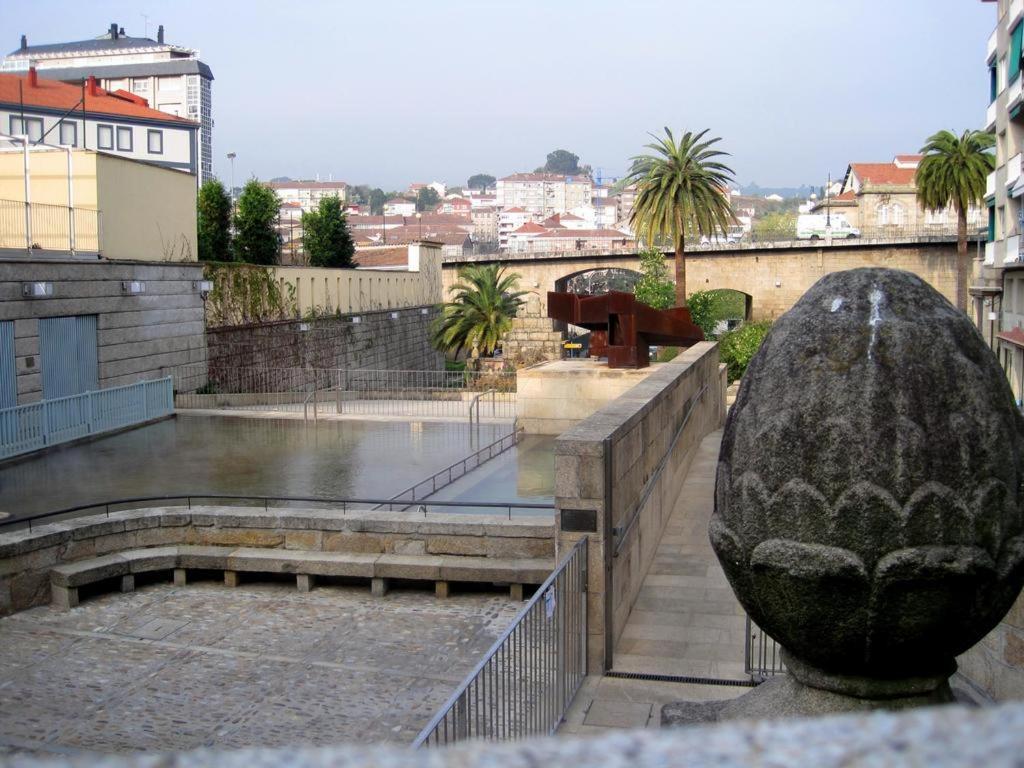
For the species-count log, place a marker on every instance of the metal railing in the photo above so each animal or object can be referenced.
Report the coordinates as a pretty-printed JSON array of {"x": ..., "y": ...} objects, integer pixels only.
[
  {"x": 340, "y": 391},
  {"x": 887, "y": 233},
  {"x": 526, "y": 682},
  {"x": 762, "y": 657},
  {"x": 45, "y": 227},
  {"x": 26, "y": 428},
  {"x": 445, "y": 477},
  {"x": 342, "y": 505}
]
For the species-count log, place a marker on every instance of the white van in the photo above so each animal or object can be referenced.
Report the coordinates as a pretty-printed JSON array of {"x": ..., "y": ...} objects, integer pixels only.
[{"x": 812, "y": 226}]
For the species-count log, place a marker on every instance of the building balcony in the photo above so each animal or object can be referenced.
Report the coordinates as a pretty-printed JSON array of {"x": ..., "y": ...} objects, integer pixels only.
[
  {"x": 990, "y": 185},
  {"x": 990, "y": 253},
  {"x": 1013, "y": 169},
  {"x": 990, "y": 117},
  {"x": 992, "y": 47},
  {"x": 1015, "y": 14},
  {"x": 1012, "y": 253},
  {"x": 40, "y": 229},
  {"x": 1013, "y": 93}
]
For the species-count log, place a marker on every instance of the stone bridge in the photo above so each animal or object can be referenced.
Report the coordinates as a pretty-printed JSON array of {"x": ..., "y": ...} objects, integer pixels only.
[{"x": 772, "y": 275}]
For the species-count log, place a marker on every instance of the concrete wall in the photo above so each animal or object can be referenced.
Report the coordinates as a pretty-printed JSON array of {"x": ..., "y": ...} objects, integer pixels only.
[
  {"x": 775, "y": 276},
  {"x": 138, "y": 336},
  {"x": 394, "y": 340},
  {"x": 26, "y": 557},
  {"x": 607, "y": 487}
]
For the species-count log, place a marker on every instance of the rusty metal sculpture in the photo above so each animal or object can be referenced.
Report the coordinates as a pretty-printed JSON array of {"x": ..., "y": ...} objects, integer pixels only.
[{"x": 622, "y": 328}]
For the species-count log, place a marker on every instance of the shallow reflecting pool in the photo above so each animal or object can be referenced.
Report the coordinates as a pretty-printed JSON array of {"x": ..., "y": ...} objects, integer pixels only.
[{"x": 193, "y": 454}]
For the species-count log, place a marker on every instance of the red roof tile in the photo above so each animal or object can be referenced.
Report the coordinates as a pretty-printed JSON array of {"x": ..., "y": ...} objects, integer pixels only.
[
  {"x": 53, "y": 94},
  {"x": 383, "y": 257},
  {"x": 1014, "y": 336},
  {"x": 529, "y": 228},
  {"x": 883, "y": 174}
]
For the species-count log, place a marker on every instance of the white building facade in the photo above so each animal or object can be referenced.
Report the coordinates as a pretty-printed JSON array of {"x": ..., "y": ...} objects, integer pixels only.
[
  {"x": 307, "y": 195},
  {"x": 543, "y": 193},
  {"x": 171, "y": 78}
]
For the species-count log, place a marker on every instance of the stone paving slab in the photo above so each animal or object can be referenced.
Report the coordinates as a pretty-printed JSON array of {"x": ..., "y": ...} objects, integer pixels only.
[{"x": 172, "y": 668}]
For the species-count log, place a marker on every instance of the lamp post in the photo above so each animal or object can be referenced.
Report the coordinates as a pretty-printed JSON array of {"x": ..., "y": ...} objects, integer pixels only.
[{"x": 231, "y": 157}]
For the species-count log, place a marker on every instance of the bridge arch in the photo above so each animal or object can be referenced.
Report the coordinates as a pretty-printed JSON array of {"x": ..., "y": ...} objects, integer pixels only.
[{"x": 598, "y": 280}]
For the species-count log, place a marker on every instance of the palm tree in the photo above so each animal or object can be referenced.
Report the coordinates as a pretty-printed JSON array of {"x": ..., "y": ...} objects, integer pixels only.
[
  {"x": 954, "y": 171},
  {"x": 682, "y": 189},
  {"x": 485, "y": 301}
]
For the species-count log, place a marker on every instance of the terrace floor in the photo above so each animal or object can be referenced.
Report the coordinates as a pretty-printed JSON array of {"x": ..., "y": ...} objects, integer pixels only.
[{"x": 172, "y": 668}]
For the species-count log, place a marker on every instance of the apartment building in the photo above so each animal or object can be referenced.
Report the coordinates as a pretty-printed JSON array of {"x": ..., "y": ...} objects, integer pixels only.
[
  {"x": 171, "y": 78},
  {"x": 543, "y": 193},
  {"x": 88, "y": 117},
  {"x": 998, "y": 290},
  {"x": 308, "y": 194}
]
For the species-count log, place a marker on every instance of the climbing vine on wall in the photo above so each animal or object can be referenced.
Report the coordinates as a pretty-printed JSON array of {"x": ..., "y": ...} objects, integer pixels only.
[{"x": 244, "y": 293}]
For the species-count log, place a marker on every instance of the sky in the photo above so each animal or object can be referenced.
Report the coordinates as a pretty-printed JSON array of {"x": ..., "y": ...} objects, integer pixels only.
[{"x": 388, "y": 93}]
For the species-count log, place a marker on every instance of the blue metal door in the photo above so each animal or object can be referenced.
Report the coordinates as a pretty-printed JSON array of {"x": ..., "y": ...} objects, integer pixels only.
[
  {"x": 8, "y": 377},
  {"x": 67, "y": 351}
]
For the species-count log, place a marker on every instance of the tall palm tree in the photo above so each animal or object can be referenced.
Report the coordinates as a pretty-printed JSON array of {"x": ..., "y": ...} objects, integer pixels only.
[
  {"x": 682, "y": 189},
  {"x": 953, "y": 171},
  {"x": 481, "y": 310}
]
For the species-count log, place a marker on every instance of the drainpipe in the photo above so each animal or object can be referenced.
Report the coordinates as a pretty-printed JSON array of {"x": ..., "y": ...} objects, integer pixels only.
[
  {"x": 71, "y": 204},
  {"x": 28, "y": 207}
]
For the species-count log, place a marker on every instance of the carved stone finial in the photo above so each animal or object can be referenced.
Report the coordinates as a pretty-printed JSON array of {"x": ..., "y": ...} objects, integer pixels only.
[{"x": 868, "y": 508}]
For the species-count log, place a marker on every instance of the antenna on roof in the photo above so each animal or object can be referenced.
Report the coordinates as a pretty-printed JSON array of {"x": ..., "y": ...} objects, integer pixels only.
[{"x": 145, "y": 23}]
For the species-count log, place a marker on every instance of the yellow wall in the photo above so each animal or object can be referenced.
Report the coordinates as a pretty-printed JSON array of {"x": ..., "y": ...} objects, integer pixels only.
[
  {"x": 146, "y": 212},
  {"x": 364, "y": 290}
]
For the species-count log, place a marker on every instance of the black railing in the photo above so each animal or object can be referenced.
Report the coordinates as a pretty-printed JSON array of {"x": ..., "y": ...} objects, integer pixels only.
[{"x": 345, "y": 505}]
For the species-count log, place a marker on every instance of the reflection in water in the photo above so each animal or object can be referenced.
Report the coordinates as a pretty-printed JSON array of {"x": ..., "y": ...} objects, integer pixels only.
[
  {"x": 525, "y": 473},
  {"x": 262, "y": 457}
]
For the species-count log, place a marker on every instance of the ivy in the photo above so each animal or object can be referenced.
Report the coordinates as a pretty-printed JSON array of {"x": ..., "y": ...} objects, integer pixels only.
[
  {"x": 738, "y": 346},
  {"x": 244, "y": 293}
]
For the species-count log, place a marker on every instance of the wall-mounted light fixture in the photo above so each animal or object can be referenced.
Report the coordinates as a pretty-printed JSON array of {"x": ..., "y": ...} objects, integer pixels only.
[
  {"x": 36, "y": 290},
  {"x": 778, "y": 283},
  {"x": 394, "y": 315},
  {"x": 424, "y": 311},
  {"x": 132, "y": 287},
  {"x": 357, "y": 319},
  {"x": 203, "y": 286},
  {"x": 303, "y": 327}
]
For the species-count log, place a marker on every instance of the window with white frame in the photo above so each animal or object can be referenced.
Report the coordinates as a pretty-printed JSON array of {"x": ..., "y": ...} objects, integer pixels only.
[
  {"x": 155, "y": 141},
  {"x": 140, "y": 85},
  {"x": 124, "y": 138},
  {"x": 882, "y": 214},
  {"x": 105, "y": 136},
  {"x": 68, "y": 133},
  {"x": 896, "y": 214},
  {"x": 935, "y": 217},
  {"x": 30, "y": 126}
]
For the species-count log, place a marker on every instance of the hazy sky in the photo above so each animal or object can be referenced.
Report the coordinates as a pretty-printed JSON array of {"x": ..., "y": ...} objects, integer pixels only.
[{"x": 392, "y": 92}]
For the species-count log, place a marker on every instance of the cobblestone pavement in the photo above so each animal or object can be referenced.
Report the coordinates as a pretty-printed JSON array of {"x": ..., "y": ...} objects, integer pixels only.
[{"x": 174, "y": 668}]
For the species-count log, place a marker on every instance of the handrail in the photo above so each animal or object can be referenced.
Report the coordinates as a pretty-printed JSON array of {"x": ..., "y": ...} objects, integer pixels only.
[
  {"x": 524, "y": 705},
  {"x": 475, "y": 403},
  {"x": 434, "y": 487},
  {"x": 305, "y": 405},
  {"x": 265, "y": 500},
  {"x": 621, "y": 531}
]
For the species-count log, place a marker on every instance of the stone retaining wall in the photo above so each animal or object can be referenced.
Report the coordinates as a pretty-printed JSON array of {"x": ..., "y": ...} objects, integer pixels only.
[
  {"x": 603, "y": 481},
  {"x": 26, "y": 557}
]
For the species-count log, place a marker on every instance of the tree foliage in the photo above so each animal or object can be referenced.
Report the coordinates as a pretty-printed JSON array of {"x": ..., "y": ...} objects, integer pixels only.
[
  {"x": 256, "y": 240},
  {"x": 485, "y": 300},
  {"x": 709, "y": 308},
  {"x": 427, "y": 198},
  {"x": 325, "y": 236},
  {"x": 377, "y": 200},
  {"x": 738, "y": 346},
  {"x": 654, "y": 288},
  {"x": 778, "y": 225},
  {"x": 682, "y": 189},
  {"x": 954, "y": 171},
  {"x": 562, "y": 161},
  {"x": 213, "y": 213},
  {"x": 482, "y": 181}
]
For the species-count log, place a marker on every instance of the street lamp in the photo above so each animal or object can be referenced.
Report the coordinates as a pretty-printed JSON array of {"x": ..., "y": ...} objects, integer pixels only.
[{"x": 231, "y": 157}]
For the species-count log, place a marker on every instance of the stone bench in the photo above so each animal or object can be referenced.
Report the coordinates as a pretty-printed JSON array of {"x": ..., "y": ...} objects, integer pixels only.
[{"x": 65, "y": 580}]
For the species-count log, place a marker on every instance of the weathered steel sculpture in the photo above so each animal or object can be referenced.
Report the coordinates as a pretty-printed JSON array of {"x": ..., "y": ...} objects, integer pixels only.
[
  {"x": 622, "y": 328},
  {"x": 868, "y": 505}
]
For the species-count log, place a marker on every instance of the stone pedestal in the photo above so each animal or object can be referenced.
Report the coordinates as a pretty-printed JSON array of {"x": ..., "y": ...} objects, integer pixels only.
[{"x": 551, "y": 398}]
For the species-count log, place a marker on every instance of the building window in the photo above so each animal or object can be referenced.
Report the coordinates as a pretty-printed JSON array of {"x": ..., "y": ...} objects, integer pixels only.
[
  {"x": 32, "y": 126},
  {"x": 140, "y": 85},
  {"x": 124, "y": 139},
  {"x": 155, "y": 141},
  {"x": 105, "y": 136},
  {"x": 68, "y": 134}
]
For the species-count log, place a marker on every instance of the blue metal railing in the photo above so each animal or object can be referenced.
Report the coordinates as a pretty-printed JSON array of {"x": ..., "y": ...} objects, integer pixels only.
[{"x": 26, "y": 428}]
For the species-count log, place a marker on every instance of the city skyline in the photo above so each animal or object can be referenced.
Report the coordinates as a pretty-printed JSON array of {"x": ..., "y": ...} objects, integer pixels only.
[{"x": 397, "y": 93}]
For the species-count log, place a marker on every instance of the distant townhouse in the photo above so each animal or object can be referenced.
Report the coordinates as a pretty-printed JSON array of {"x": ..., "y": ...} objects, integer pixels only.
[
  {"x": 543, "y": 193},
  {"x": 454, "y": 243},
  {"x": 88, "y": 117},
  {"x": 171, "y": 78},
  {"x": 454, "y": 205},
  {"x": 308, "y": 194},
  {"x": 564, "y": 221},
  {"x": 565, "y": 240},
  {"x": 399, "y": 206},
  {"x": 510, "y": 220},
  {"x": 485, "y": 224}
]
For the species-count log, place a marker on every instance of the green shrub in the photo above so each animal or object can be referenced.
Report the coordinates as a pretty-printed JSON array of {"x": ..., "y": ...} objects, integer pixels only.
[
  {"x": 737, "y": 346},
  {"x": 667, "y": 354}
]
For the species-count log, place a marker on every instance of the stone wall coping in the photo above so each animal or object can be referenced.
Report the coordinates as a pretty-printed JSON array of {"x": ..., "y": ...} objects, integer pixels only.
[
  {"x": 938, "y": 736},
  {"x": 363, "y": 521}
]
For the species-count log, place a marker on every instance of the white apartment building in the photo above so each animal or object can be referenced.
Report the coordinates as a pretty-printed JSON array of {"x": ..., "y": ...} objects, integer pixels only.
[
  {"x": 398, "y": 206},
  {"x": 998, "y": 290},
  {"x": 170, "y": 77},
  {"x": 87, "y": 117},
  {"x": 543, "y": 193},
  {"x": 510, "y": 220},
  {"x": 308, "y": 194}
]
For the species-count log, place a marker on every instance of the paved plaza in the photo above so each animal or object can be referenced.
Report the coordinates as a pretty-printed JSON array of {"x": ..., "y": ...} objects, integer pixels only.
[{"x": 171, "y": 668}]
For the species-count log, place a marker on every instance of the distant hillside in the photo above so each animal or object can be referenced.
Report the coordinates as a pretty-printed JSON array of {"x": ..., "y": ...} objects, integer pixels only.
[{"x": 755, "y": 190}]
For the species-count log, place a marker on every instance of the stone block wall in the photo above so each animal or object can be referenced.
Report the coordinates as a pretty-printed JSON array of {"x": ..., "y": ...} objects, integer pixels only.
[
  {"x": 995, "y": 666},
  {"x": 618, "y": 475},
  {"x": 26, "y": 557},
  {"x": 138, "y": 337}
]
